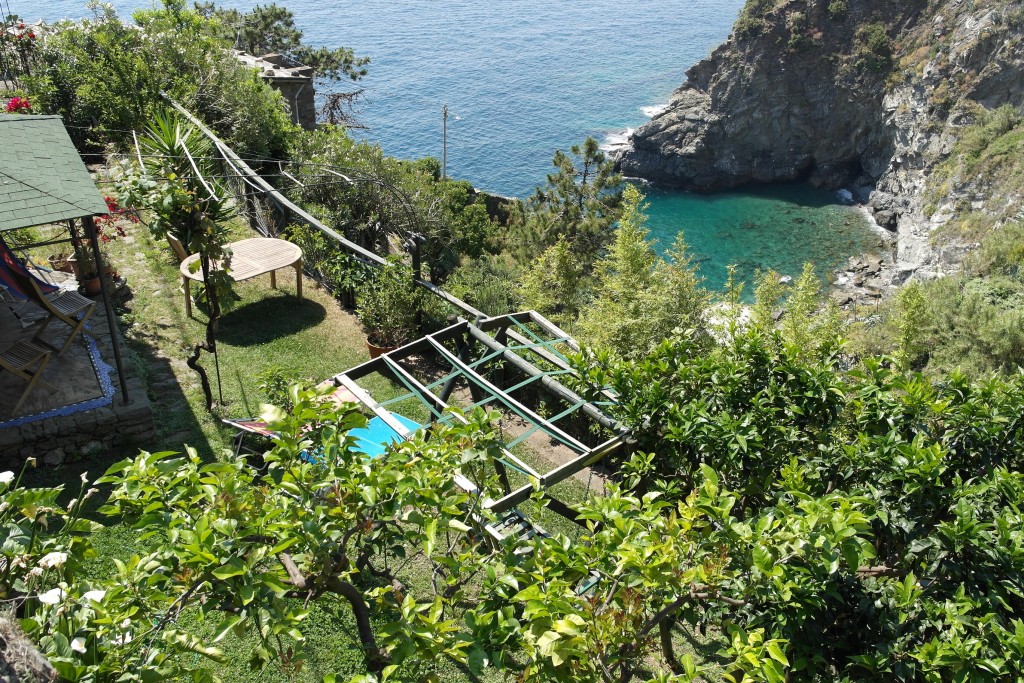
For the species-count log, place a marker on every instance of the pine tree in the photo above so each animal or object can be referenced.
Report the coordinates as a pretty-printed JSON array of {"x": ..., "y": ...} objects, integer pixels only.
[
  {"x": 641, "y": 299},
  {"x": 580, "y": 203}
]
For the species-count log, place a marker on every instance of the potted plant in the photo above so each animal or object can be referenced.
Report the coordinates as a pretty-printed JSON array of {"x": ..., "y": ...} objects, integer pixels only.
[
  {"x": 388, "y": 304},
  {"x": 61, "y": 261},
  {"x": 108, "y": 229}
]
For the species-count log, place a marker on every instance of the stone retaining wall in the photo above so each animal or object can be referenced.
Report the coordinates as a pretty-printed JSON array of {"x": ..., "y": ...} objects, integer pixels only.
[{"x": 69, "y": 438}]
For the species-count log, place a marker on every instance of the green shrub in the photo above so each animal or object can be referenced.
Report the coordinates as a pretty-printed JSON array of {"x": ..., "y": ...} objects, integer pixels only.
[
  {"x": 874, "y": 48},
  {"x": 751, "y": 21},
  {"x": 837, "y": 9},
  {"x": 337, "y": 269},
  {"x": 105, "y": 78},
  {"x": 389, "y": 305},
  {"x": 926, "y": 474},
  {"x": 639, "y": 299},
  {"x": 488, "y": 283},
  {"x": 976, "y": 325},
  {"x": 276, "y": 382},
  {"x": 1002, "y": 252},
  {"x": 911, "y": 317}
]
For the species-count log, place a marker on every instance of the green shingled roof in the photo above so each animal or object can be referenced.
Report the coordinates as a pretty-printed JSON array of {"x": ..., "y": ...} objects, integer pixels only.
[{"x": 42, "y": 178}]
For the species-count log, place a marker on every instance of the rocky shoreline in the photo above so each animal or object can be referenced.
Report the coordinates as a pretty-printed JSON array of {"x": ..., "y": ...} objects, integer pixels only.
[
  {"x": 866, "y": 279},
  {"x": 873, "y": 96}
]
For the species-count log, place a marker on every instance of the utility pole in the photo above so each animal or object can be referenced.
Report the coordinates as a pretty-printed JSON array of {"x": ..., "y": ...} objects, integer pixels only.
[{"x": 444, "y": 141}]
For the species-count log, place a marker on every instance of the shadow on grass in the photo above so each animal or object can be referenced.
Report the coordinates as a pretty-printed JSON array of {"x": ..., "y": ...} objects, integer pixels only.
[
  {"x": 175, "y": 423},
  {"x": 260, "y": 322}
]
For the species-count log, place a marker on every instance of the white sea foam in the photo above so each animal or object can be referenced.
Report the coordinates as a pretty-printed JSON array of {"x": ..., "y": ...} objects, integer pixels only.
[
  {"x": 653, "y": 110},
  {"x": 845, "y": 196},
  {"x": 617, "y": 140}
]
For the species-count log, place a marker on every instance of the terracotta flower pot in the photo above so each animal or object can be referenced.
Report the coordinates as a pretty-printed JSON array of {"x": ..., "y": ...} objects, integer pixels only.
[
  {"x": 61, "y": 262},
  {"x": 72, "y": 263},
  {"x": 377, "y": 351},
  {"x": 92, "y": 285}
]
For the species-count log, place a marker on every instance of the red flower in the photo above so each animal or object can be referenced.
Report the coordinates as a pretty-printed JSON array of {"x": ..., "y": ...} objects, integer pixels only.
[{"x": 17, "y": 105}]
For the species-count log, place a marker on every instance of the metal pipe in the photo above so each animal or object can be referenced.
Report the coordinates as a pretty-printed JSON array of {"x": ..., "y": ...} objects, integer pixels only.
[
  {"x": 115, "y": 338},
  {"x": 552, "y": 385}
]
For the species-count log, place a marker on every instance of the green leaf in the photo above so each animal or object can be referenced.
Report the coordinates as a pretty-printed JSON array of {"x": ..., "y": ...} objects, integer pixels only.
[
  {"x": 458, "y": 525},
  {"x": 272, "y": 414},
  {"x": 566, "y": 626},
  {"x": 233, "y": 567},
  {"x": 776, "y": 653},
  {"x": 429, "y": 535},
  {"x": 225, "y": 625},
  {"x": 546, "y": 643}
]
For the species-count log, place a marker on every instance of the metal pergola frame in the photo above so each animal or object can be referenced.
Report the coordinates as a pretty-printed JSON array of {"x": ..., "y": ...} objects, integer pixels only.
[{"x": 525, "y": 342}]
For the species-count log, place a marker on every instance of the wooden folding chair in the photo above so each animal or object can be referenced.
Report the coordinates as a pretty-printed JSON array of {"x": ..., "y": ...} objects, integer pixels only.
[
  {"x": 177, "y": 247},
  {"x": 69, "y": 307},
  {"x": 19, "y": 360}
]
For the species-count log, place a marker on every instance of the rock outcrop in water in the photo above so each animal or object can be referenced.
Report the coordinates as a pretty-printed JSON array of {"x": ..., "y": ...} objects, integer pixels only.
[{"x": 866, "y": 93}]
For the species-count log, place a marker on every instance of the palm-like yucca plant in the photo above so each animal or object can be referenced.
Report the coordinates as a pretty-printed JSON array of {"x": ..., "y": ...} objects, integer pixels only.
[{"x": 174, "y": 181}]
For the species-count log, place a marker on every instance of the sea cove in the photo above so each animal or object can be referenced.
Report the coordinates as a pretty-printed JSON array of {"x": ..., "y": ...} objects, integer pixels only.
[{"x": 526, "y": 78}]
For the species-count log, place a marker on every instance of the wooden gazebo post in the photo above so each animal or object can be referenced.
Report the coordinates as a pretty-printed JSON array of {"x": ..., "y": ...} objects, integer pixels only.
[{"x": 115, "y": 341}]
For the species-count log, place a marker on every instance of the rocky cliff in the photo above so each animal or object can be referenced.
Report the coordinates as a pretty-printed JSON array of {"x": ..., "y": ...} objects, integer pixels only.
[{"x": 871, "y": 94}]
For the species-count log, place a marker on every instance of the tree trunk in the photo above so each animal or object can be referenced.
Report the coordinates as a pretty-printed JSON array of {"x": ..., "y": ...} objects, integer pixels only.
[
  {"x": 375, "y": 659},
  {"x": 665, "y": 633}
]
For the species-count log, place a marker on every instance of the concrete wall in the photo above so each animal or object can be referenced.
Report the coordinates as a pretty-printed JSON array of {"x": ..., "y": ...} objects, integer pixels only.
[{"x": 295, "y": 83}]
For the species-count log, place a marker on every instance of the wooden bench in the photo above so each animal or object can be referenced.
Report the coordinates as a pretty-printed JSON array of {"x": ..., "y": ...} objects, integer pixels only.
[{"x": 249, "y": 258}]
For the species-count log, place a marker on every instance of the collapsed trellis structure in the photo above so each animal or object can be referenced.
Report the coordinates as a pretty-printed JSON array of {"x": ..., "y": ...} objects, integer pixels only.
[{"x": 504, "y": 362}]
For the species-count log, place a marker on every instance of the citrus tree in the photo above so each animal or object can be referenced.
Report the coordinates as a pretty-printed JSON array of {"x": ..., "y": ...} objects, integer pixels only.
[{"x": 922, "y": 480}]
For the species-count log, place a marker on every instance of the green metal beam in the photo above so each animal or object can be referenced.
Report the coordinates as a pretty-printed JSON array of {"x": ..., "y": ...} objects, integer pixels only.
[
  {"x": 510, "y": 402},
  {"x": 553, "y": 386},
  {"x": 586, "y": 460}
]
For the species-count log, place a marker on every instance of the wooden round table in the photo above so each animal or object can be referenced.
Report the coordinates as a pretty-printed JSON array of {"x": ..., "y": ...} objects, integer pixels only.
[{"x": 249, "y": 258}]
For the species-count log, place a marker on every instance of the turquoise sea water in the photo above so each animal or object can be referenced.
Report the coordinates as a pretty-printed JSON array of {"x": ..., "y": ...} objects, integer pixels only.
[
  {"x": 523, "y": 78},
  {"x": 778, "y": 228}
]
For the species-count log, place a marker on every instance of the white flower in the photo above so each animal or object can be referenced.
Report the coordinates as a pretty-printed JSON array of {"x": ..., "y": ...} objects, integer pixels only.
[
  {"x": 85, "y": 477},
  {"x": 53, "y": 560},
  {"x": 52, "y": 596},
  {"x": 6, "y": 477},
  {"x": 94, "y": 596},
  {"x": 78, "y": 645},
  {"x": 35, "y": 572}
]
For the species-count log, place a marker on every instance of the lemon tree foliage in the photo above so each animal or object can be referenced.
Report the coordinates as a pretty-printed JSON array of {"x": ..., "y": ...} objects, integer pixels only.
[
  {"x": 821, "y": 523},
  {"x": 249, "y": 550},
  {"x": 875, "y": 530},
  {"x": 818, "y": 519}
]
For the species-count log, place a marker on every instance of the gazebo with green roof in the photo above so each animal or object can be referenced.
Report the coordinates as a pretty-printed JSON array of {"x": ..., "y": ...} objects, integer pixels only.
[{"x": 43, "y": 180}]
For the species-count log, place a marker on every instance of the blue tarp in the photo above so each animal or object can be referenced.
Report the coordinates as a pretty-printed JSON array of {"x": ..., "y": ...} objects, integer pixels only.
[{"x": 374, "y": 438}]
